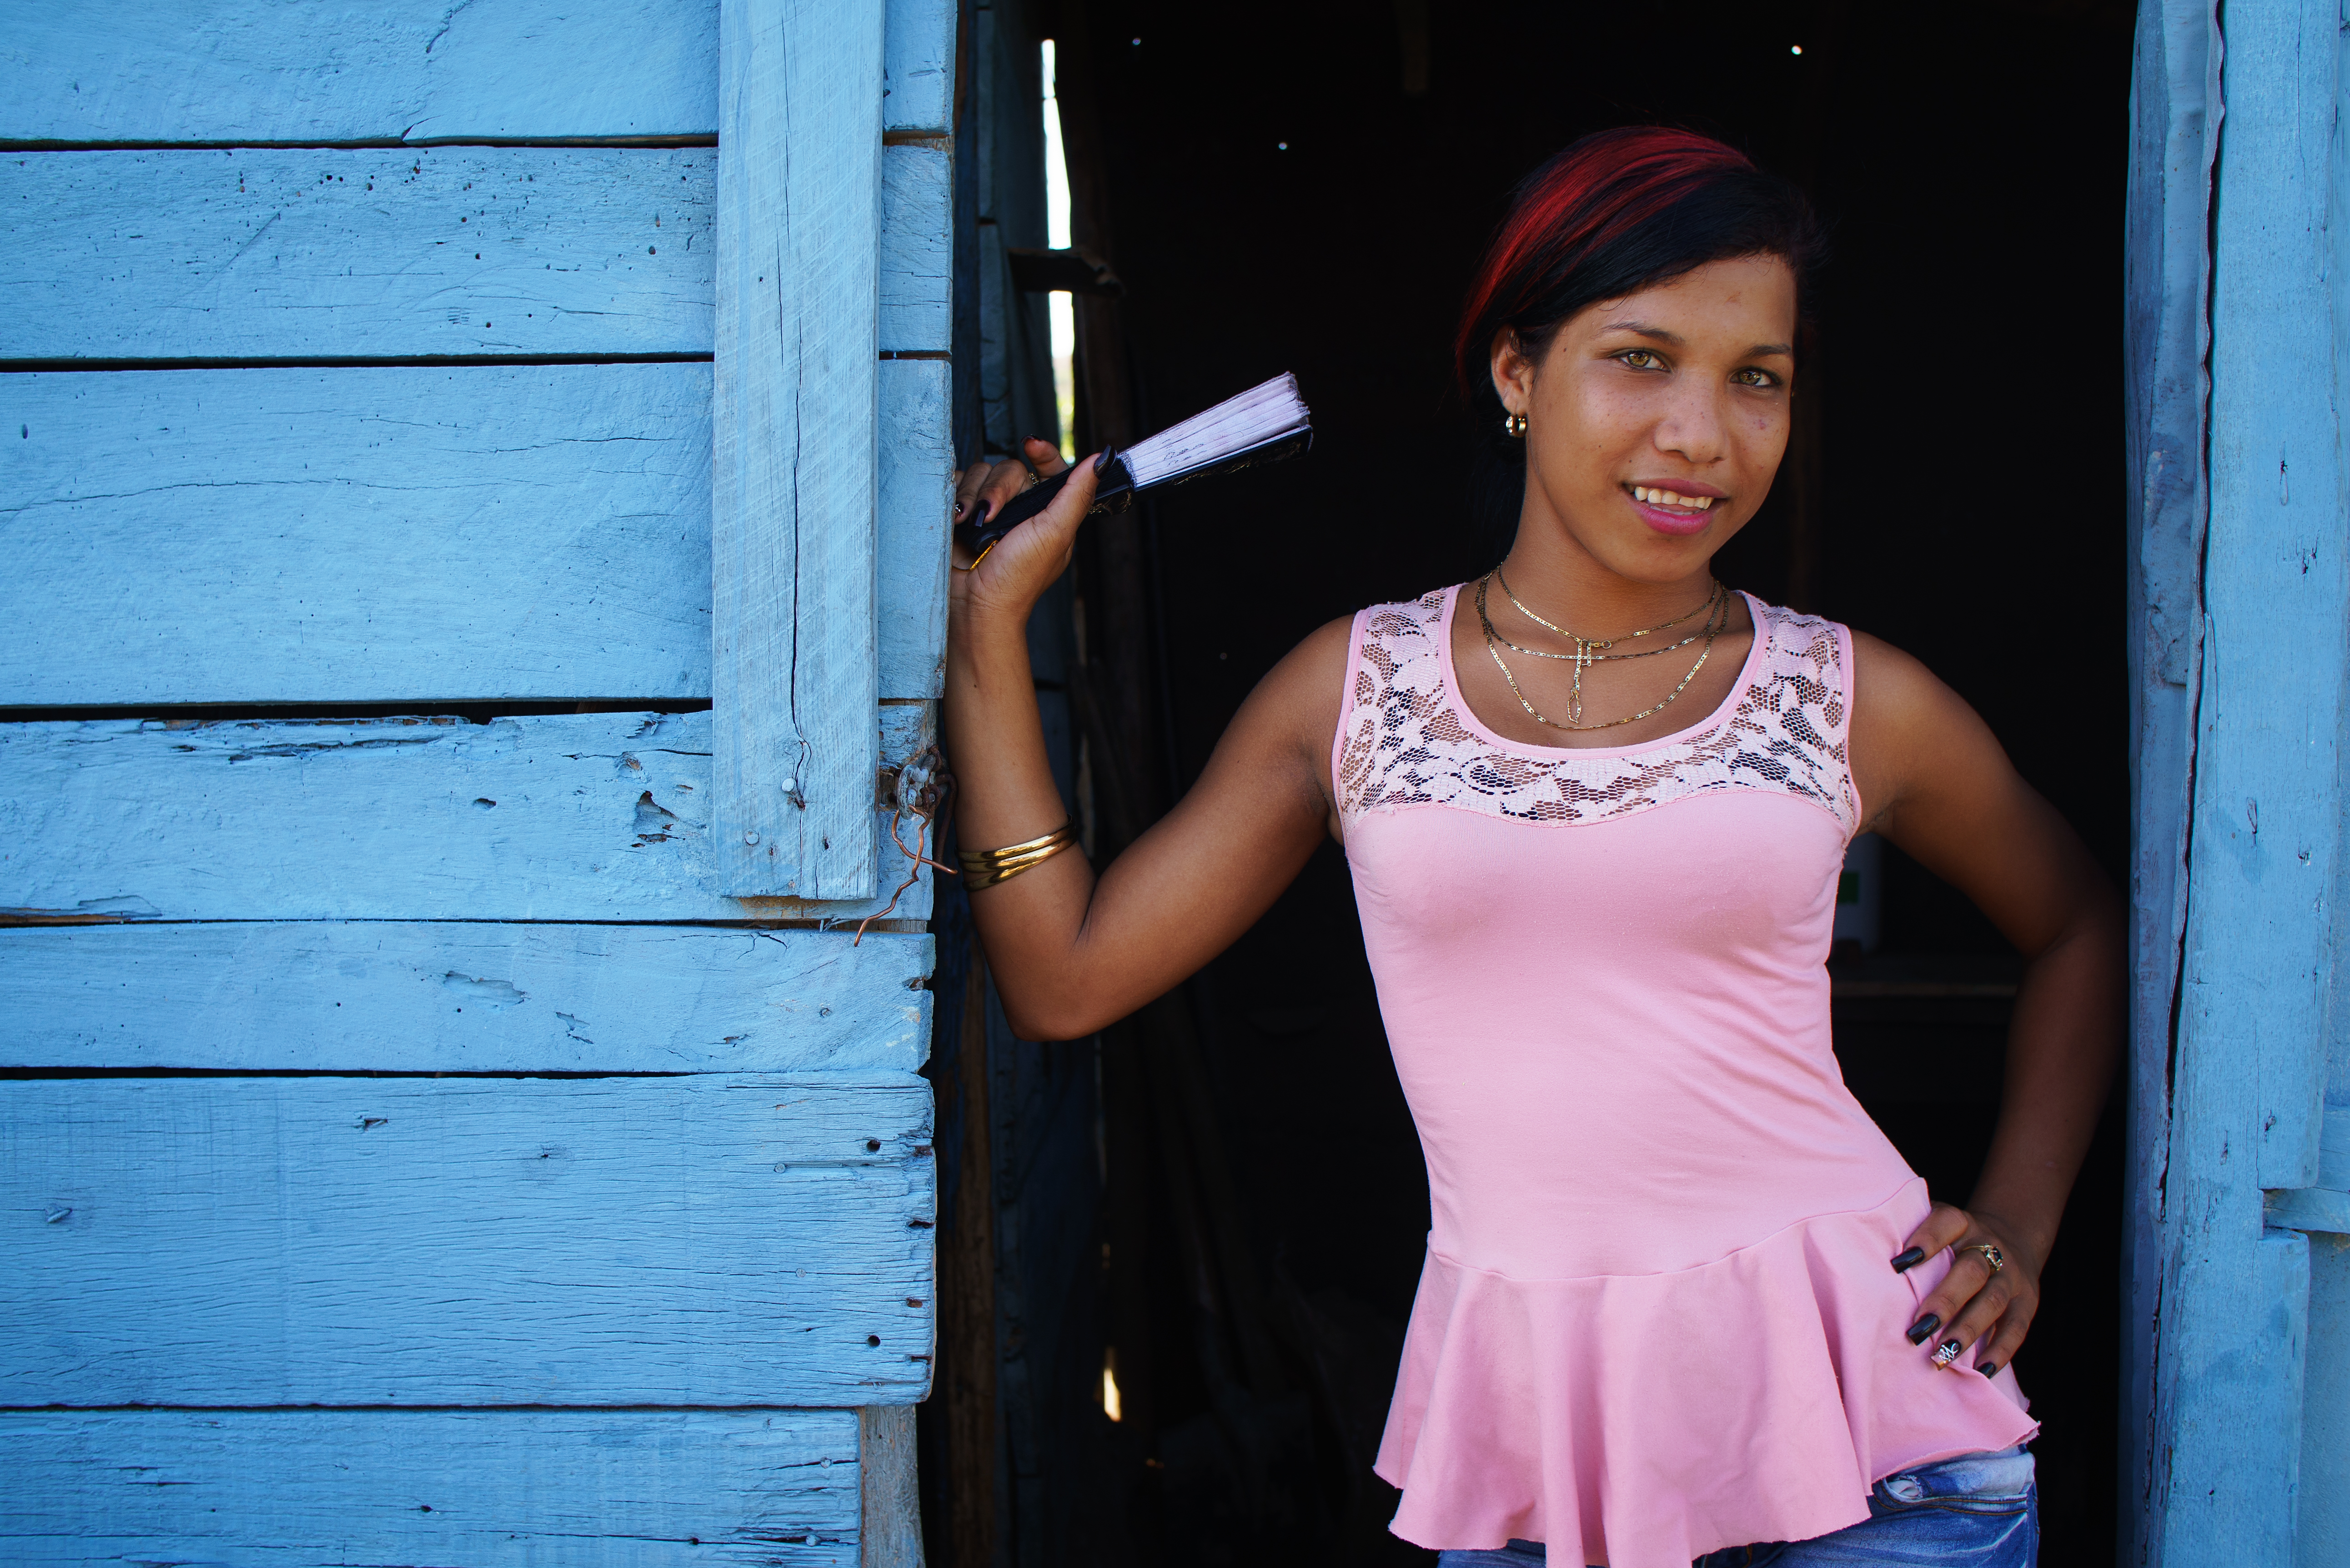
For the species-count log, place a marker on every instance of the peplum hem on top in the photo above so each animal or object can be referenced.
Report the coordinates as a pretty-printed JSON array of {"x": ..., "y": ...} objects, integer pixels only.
[{"x": 1652, "y": 1418}]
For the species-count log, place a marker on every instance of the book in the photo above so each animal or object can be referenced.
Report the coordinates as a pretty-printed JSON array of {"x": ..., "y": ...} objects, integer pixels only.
[{"x": 1262, "y": 424}]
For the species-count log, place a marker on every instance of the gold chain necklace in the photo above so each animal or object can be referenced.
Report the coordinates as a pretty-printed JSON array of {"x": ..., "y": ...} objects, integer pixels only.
[
  {"x": 1590, "y": 649},
  {"x": 1716, "y": 621},
  {"x": 1586, "y": 650}
]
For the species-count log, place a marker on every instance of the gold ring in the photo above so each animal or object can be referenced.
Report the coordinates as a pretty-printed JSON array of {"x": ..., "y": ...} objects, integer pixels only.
[{"x": 1991, "y": 1254}]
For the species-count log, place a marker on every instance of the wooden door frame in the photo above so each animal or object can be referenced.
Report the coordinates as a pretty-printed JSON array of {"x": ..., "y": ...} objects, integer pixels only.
[{"x": 2238, "y": 595}]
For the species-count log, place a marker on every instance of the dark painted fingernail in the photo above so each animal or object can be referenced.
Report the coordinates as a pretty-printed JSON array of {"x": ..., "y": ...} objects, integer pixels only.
[
  {"x": 1904, "y": 1261},
  {"x": 1988, "y": 1368},
  {"x": 1101, "y": 460},
  {"x": 1946, "y": 1352},
  {"x": 977, "y": 519},
  {"x": 1922, "y": 1327}
]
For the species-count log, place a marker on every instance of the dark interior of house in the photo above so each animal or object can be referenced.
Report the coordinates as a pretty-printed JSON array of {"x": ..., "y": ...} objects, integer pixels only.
[{"x": 1307, "y": 187}]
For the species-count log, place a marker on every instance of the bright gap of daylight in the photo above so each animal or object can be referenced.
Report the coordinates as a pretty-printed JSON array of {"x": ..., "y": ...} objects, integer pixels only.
[{"x": 1060, "y": 304}]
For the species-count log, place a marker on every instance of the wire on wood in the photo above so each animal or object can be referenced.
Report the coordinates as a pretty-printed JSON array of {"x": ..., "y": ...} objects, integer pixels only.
[{"x": 925, "y": 790}]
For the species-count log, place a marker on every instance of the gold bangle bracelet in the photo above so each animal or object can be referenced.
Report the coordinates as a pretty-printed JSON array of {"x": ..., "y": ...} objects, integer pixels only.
[{"x": 986, "y": 867}]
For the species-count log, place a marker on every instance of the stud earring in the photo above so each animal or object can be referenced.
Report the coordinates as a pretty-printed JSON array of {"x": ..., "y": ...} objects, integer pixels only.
[{"x": 1514, "y": 425}]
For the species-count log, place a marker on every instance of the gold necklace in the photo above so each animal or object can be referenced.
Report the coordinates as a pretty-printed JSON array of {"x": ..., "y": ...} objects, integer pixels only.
[
  {"x": 1585, "y": 646},
  {"x": 1716, "y": 621}
]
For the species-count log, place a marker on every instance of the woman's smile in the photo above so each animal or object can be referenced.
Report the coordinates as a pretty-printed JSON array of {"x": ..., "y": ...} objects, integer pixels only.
[
  {"x": 1628, "y": 401},
  {"x": 1678, "y": 510}
]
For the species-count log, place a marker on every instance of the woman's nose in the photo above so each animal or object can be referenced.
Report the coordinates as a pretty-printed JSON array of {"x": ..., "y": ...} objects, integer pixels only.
[{"x": 1694, "y": 427}]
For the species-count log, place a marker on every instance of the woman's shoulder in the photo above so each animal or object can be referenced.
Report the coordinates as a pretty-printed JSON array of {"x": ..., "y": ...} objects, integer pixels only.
[
  {"x": 1307, "y": 678},
  {"x": 1894, "y": 681},
  {"x": 1309, "y": 686},
  {"x": 1322, "y": 655}
]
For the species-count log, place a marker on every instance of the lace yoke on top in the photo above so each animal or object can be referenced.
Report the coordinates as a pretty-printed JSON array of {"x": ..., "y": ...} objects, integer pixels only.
[{"x": 1405, "y": 742}]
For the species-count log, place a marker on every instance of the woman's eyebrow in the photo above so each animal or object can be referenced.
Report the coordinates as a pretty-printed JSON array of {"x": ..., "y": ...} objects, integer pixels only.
[{"x": 1658, "y": 334}]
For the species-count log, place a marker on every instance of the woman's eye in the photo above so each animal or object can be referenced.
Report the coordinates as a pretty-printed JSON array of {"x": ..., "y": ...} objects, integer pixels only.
[
  {"x": 1750, "y": 377},
  {"x": 1641, "y": 359}
]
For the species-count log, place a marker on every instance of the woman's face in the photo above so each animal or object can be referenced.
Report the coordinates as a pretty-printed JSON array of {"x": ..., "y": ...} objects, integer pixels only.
[{"x": 1655, "y": 422}]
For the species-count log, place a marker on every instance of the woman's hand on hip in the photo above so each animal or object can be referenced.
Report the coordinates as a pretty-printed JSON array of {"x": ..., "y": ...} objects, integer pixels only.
[
  {"x": 1013, "y": 576},
  {"x": 1977, "y": 1300}
]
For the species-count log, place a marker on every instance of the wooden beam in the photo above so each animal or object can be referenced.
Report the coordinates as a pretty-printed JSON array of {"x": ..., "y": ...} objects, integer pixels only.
[
  {"x": 795, "y": 408},
  {"x": 2267, "y": 816},
  {"x": 700, "y": 1240},
  {"x": 219, "y": 70},
  {"x": 890, "y": 1535},
  {"x": 313, "y": 535},
  {"x": 262, "y": 254},
  {"x": 587, "y": 817},
  {"x": 227, "y": 70},
  {"x": 473, "y": 534},
  {"x": 921, "y": 65},
  {"x": 2174, "y": 142},
  {"x": 462, "y": 996},
  {"x": 917, "y": 249},
  {"x": 967, "y": 1337},
  {"x": 272, "y": 254},
  {"x": 918, "y": 480},
  {"x": 491, "y": 1488}
]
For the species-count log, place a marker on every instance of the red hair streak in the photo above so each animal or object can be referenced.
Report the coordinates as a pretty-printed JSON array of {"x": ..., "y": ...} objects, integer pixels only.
[{"x": 1587, "y": 198}]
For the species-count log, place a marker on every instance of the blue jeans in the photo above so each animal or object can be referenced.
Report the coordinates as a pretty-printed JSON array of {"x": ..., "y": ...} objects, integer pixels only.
[{"x": 1977, "y": 1511}]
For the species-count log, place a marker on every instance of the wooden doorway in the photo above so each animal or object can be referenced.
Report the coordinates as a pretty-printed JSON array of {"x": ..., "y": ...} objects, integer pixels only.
[{"x": 1306, "y": 188}]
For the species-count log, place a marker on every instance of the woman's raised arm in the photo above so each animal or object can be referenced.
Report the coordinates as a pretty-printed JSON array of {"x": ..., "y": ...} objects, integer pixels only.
[{"x": 1072, "y": 951}]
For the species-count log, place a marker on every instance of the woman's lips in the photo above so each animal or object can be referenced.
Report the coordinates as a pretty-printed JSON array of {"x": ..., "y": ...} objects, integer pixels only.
[{"x": 1678, "y": 520}]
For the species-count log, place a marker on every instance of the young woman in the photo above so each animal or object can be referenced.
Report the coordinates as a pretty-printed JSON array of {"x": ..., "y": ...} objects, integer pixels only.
[{"x": 1682, "y": 1299}]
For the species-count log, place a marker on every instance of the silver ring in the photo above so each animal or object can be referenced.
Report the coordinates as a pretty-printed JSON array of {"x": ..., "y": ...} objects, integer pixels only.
[{"x": 1991, "y": 1254}]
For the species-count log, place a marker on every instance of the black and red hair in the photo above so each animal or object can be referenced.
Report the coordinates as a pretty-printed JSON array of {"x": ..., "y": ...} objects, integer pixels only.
[{"x": 1616, "y": 212}]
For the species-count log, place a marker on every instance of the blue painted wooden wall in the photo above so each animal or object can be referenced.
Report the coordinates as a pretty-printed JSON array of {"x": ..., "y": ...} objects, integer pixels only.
[
  {"x": 2237, "y": 1438},
  {"x": 475, "y": 510}
]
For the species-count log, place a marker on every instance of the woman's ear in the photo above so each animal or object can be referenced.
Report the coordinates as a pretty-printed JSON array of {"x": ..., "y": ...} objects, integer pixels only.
[{"x": 1513, "y": 372}]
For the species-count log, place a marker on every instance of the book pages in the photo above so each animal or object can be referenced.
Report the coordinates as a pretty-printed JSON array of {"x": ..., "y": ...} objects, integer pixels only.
[{"x": 1261, "y": 414}]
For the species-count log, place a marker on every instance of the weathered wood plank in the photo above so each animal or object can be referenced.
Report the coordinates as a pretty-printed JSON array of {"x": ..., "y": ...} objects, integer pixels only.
[
  {"x": 919, "y": 54},
  {"x": 507, "y": 1488},
  {"x": 2175, "y": 114},
  {"x": 2266, "y": 818},
  {"x": 589, "y": 817},
  {"x": 889, "y": 1533},
  {"x": 406, "y": 252},
  {"x": 296, "y": 536},
  {"x": 2322, "y": 1533},
  {"x": 917, "y": 250},
  {"x": 462, "y": 997},
  {"x": 699, "y": 1239},
  {"x": 917, "y": 477},
  {"x": 275, "y": 254},
  {"x": 2319, "y": 1210},
  {"x": 485, "y": 532},
  {"x": 230, "y": 70},
  {"x": 2276, "y": 568},
  {"x": 2323, "y": 1206},
  {"x": 2240, "y": 1353},
  {"x": 796, "y": 404}
]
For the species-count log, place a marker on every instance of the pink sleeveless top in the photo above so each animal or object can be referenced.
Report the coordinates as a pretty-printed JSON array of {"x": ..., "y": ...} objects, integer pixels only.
[{"x": 1657, "y": 1316}]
